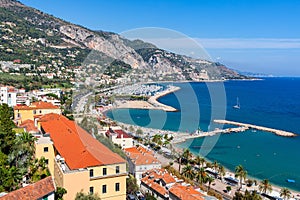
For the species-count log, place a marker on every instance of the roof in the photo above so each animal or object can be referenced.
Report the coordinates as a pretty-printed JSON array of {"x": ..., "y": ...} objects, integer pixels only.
[
  {"x": 186, "y": 192},
  {"x": 36, "y": 105},
  {"x": 29, "y": 126},
  {"x": 141, "y": 156},
  {"x": 120, "y": 133},
  {"x": 150, "y": 183},
  {"x": 33, "y": 191},
  {"x": 161, "y": 174},
  {"x": 75, "y": 145}
]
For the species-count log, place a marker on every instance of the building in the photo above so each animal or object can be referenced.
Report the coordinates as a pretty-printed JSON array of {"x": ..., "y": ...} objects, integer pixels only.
[
  {"x": 24, "y": 112},
  {"x": 120, "y": 138},
  {"x": 8, "y": 95},
  {"x": 43, "y": 189},
  {"x": 78, "y": 162},
  {"x": 163, "y": 186},
  {"x": 140, "y": 160}
]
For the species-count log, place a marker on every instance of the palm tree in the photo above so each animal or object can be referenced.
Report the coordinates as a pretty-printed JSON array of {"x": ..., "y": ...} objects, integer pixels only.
[
  {"x": 201, "y": 175},
  {"x": 240, "y": 173},
  {"x": 265, "y": 186},
  {"x": 157, "y": 139},
  {"x": 285, "y": 193},
  {"x": 188, "y": 172},
  {"x": 215, "y": 166},
  {"x": 221, "y": 171},
  {"x": 209, "y": 179},
  {"x": 187, "y": 154},
  {"x": 197, "y": 160}
]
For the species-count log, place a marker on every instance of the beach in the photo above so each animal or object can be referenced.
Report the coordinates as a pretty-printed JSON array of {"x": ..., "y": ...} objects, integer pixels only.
[{"x": 152, "y": 102}]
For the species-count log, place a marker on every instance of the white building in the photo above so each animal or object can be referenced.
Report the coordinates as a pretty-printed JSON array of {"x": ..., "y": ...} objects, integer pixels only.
[
  {"x": 8, "y": 95},
  {"x": 140, "y": 160},
  {"x": 119, "y": 137}
]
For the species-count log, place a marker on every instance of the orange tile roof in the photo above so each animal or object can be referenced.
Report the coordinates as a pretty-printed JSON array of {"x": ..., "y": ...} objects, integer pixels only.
[
  {"x": 150, "y": 183},
  {"x": 36, "y": 105},
  {"x": 162, "y": 174},
  {"x": 29, "y": 126},
  {"x": 186, "y": 192},
  {"x": 141, "y": 156},
  {"x": 75, "y": 145},
  {"x": 33, "y": 191},
  {"x": 119, "y": 133}
]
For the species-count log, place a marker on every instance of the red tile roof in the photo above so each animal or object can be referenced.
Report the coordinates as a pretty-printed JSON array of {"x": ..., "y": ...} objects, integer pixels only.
[
  {"x": 33, "y": 191},
  {"x": 150, "y": 183},
  {"x": 141, "y": 156},
  {"x": 29, "y": 126},
  {"x": 120, "y": 133},
  {"x": 75, "y": 145},
  {"x": 36, "y": 105},
  {"x": 186, "y": 192}
]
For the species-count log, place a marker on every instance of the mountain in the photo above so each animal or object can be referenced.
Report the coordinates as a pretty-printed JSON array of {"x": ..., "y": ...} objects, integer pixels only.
[{"x": 33, "y": 37}]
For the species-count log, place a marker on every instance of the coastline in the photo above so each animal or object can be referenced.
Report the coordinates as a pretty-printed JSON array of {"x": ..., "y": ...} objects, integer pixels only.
[{"x": 151, "y": 104}]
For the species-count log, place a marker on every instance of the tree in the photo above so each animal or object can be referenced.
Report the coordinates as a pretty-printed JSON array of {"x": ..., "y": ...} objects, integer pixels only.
[
  {"x": 188, "y": 172},
  {"x": 201, "y": 175},
  {"x": 247, "y": 196},
  {"x": 240, "y": 173},
  {"x": 187, "y": 155},
  {"x": 157, "y": 139},
  {"x": 38, "y": 169},
  {"x": 215, "y": 166},
  {"x": 139, "y": 131},
  {"x": 209, "y": 180},
  {"x": 59, "y": 193},
  {"x": 7, "y": 135},
  {"x": 285, "y": 193},
  {"x": 222, "y": 171},
  {"x": 82, "y": 196},
  {"x": 131, "y": 185},
  {"x": 265, "y": 186}
]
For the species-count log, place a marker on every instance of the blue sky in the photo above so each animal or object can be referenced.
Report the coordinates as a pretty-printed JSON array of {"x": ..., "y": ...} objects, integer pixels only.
[{"x": 253, "y": 35}]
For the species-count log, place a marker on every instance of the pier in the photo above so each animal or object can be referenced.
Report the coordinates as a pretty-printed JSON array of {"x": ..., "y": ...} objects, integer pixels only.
[{"x": 261, "y": 128}]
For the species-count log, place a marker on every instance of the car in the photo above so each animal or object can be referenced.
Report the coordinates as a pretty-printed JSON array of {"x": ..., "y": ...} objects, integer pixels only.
[
  {"x": 139, "y": 195},
  {"x": 130, "y": 197}
]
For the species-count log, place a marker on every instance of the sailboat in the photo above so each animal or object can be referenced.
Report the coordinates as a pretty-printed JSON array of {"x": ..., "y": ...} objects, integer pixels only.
[{"x": 237, "y": 106}]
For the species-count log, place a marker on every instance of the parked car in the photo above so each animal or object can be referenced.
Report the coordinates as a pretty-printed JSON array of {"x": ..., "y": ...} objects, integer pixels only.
[
  {"x": 130, "y": 197},
  {"x": 139, "y": 195}
]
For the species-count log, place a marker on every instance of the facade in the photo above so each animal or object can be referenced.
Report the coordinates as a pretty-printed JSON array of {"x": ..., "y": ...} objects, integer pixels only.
[
  {"x": 24, "y": 112},
  {"x": 8, "y": 95},
  {"x": 78, "y": 162},
  {"x": 140, "y": 160},
  {"x": 120, "y": 138},
  {"x": 43, "y": 189}
]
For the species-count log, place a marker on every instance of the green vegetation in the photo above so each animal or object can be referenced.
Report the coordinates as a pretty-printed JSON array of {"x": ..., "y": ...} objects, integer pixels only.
[
  {"x": 32, "y": 82},
  {"x": 131, "y": 185},
  {"x": 17, "y": 155},
  {"x": 59, "y": 193},
  {"x": 247, "y": 196},
  {"x": 109, "y": 144},
  {"x": 82, "y": 196}
]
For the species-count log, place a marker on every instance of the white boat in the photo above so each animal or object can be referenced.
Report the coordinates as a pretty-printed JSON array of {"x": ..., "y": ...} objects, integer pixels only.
[{"x": 237, "y": 106}]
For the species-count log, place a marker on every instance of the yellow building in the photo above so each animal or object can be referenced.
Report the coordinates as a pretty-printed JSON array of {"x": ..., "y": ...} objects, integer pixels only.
[
  {"x": 23, "y": 112},
  {"x": 78, "y": 162}
]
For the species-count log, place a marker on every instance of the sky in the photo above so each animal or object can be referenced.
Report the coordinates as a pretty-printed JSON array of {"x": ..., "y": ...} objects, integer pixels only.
[{"x": 248, "y": 35}]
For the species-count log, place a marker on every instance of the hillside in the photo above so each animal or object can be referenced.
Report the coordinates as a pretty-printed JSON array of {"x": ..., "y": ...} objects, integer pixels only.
[{"x": 30, "y": 36}]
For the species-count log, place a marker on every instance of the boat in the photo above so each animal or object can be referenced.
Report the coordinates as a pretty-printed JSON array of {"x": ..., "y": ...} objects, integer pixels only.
[
  {"x": 290, "y": 181},
  {"x": 237, "y": 106}
]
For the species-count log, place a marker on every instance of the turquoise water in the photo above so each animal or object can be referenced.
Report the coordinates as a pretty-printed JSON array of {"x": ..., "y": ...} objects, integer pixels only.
[{"x": 273, "y": 102}]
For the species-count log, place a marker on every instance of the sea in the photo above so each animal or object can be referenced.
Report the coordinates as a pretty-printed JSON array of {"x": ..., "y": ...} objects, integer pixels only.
[{"x": 270, "y": 102}]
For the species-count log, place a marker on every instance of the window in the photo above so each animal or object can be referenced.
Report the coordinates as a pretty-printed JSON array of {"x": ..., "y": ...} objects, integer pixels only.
[
  {"x": 91, "y": 172},
  {"x": 46, "y": 149},
  {"x": 47, "y": 161},
  {"x": 117, "y": 187},
  {"x": 34, "y": 112},
  {"x": 104, "y": 189},
  {"x": 104, "y": 171},
  {"x": 40, "y": 111},
  {"x": 19, "y": 114},
  {"x": 91, "y": 190},
  {"x": 117, "y": 169}
]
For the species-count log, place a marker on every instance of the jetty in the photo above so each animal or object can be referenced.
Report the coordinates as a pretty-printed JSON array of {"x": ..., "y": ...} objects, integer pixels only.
[{"x": 261, "y": 128}]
